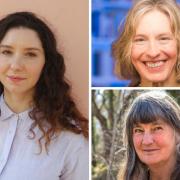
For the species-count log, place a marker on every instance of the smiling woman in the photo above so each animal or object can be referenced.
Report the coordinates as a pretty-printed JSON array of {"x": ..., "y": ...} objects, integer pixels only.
[
  {"x": 152, "y": 138},
  {"x": 21, "y": 62},
  {"x": 41, "y": 129},
  {"x": 148, "y": 49}
]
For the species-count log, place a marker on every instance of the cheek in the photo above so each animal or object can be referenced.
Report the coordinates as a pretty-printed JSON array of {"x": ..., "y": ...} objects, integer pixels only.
[
  {"x": 160, "y": 140},
  {"x": 170, "y": 50},
  {"x": 136, "y": 53},
  {"x": 137, "y": 141},
  {"x": 35, "y": 71},
  {"x": 164, "y": 140},
  {"x": 3, "y": 67},
  {"x": 4, "y": 62}
]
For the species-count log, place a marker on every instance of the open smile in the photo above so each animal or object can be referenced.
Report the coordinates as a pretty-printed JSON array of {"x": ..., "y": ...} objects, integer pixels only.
[{"x": 156, "y": 64}]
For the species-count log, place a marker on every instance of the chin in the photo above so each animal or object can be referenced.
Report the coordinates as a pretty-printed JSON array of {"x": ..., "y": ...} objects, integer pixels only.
[
  {"x": 151, "y": 162},
  {"x": 156, "y": 79}
]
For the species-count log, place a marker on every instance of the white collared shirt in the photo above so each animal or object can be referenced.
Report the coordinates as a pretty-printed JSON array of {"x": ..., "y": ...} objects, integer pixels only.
[{"x": 67, "y": 158}]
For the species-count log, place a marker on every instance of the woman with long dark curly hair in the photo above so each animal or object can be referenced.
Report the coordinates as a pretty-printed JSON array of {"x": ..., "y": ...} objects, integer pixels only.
[
  {"x": 152, "y": 138},
  {"x": 43, "y": 134}
]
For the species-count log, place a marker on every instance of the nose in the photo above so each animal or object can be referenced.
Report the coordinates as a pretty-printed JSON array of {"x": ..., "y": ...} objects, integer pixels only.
[
  {"x": 153, "y": 50},
  {"x": 147, "y": 139},
  {"x": 16, "y": 63}
]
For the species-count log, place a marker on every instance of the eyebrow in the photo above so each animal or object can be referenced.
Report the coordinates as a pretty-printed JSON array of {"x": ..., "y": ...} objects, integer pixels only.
[
  {"x": 33, "y": 49},
  {"x": 169, "y": 34},
  {"x": 29, "y": 48},
  {"x": 5, "y": 46},
  {"x": 161, "y": 34}
]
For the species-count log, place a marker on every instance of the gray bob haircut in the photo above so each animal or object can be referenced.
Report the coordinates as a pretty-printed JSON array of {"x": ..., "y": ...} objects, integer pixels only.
[{"x": 146, "y": 108}]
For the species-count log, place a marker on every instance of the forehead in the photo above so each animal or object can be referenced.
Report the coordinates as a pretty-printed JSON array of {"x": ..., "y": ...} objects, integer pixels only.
[
  {"x": 153, "y": 22},
  {"x": 150, "y": 110},
  {"x": 156, "y": 122},
  {"x": 21, "y": 36}
]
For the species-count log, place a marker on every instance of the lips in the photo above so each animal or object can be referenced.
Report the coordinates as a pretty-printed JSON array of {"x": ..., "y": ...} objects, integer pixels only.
[
  {"x": 16, "y": 78},
  {"x": 150, "y": 151}
]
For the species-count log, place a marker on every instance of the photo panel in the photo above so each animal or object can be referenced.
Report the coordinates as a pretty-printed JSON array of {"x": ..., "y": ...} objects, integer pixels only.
[
  {"x": 126, "y": 51},
  {"x": 134, "y": 131}
]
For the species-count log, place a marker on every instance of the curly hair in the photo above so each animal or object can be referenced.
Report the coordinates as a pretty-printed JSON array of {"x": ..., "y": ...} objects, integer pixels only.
[
  {"x": 147, "y": 108},
  {"x": 121, "y": 47},
  {"x": 52, "y": 97}
]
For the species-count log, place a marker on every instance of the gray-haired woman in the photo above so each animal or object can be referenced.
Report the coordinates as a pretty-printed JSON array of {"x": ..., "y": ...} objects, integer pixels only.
[{"x": 152, "y": 137}]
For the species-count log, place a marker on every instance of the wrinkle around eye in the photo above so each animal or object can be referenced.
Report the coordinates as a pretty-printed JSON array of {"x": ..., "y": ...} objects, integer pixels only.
[{"x": 139, "y": 41}]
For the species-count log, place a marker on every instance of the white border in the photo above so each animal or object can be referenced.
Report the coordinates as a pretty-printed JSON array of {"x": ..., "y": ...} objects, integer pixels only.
[
  {"x": 135, "y": 88},
  {"x": 90, "y": 89}
]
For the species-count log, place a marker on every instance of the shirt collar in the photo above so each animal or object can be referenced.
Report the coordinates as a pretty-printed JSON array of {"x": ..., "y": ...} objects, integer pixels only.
[{"x": 6, "y": 112}]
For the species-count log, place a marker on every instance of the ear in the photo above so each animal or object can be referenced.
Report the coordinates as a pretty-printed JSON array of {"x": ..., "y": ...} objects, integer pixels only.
[{"x": 177, "y": 138}]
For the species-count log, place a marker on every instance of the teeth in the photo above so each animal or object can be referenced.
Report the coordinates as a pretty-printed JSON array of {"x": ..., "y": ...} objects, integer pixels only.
[{"x": 153, "y": 65}]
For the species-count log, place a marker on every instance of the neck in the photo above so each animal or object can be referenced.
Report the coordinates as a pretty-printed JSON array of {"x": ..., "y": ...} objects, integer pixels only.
[
  {"x": 163, "y": 171},
  {"x": 159, "y": 84},
  {"x": 18, "y": 102}
]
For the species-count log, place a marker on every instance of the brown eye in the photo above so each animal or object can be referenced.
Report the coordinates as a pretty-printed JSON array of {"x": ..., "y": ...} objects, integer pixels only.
[
  {"x": 138, "y": 131},
  {"x": 165, "y": 38},
  {"x": 6, "y": 52},
  {"x": 31, "y": 54},
  {"x": 158, "y": 128},
  {"x": 139, "y": 40}
]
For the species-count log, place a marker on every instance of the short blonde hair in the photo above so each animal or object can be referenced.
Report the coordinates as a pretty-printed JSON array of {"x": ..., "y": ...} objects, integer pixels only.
[{"x": 121, "y": 48}]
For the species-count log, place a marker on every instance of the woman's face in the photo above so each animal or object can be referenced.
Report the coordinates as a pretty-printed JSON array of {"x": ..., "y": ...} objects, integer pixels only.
[
  {"x": 21, "y": 61},
  {"x": 155, "y": 143},
  {"x": 154, "y": 49}
]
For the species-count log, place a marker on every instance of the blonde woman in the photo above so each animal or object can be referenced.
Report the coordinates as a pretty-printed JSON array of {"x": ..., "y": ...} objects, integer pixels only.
[
  {"x": 152, "y": 131},
  {"x": 147, "y": 50}
]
